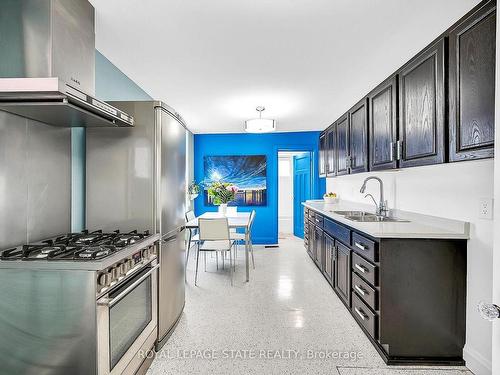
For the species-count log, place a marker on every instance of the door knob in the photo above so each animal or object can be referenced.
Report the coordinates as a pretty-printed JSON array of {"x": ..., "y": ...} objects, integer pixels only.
[{"x": 488, "y": 311}]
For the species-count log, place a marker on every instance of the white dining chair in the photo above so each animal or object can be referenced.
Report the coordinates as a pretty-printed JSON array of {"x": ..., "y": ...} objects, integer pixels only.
[
  {"x": 240, "y": 237},
  {"x": 193, "y": 237},
  {"x": 214, "y": 237}
]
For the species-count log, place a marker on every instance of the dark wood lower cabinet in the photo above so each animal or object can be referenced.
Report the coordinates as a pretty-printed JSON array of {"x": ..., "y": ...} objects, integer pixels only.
[
  {"x": 328, "y": 268},
  {"x": 408, "y": 295},
  {"x": 343, "y": 272},
  {"x": 319, "y": 247},
  {"x": 311, "y": 248}
]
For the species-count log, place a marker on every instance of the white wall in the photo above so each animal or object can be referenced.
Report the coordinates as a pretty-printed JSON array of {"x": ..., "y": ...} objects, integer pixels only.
[
  {"x": 285, "y": 194},
  {"x": 452, "y": 191},
  {"x": 496, "y": 248}
]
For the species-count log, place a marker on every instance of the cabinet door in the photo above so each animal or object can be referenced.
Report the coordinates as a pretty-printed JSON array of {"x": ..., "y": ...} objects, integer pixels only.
[
  {"x": 382, "y": 121},
  {"x": 329, "y": 256},
  {"x": 306, "y": 234},
  {"x": 343, "y": 272},
  {"x": 322, "y": 154},
  {"x": 311, "y": 245},
  {"x": 319, "y": 248},
  {"x": 422, "y": 107},
  {"x": 472, "y": 86},
  {"x": 342, "y": 145},
  {"x": 358, "y": 137},
  {"x": 331, "y": 162}
]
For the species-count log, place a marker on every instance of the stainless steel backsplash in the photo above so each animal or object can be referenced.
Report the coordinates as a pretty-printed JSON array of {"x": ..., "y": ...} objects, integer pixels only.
[{"x": 35, "y": 180}]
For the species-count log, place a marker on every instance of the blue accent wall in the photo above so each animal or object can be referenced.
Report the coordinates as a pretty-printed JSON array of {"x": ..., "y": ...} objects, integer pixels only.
[
  {"x": 110, "y": 84},
  {"x": 265, "y": 230}
]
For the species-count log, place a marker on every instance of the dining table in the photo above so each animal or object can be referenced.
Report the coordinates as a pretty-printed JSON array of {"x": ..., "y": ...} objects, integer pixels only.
[{"x": 235, "y": 220}]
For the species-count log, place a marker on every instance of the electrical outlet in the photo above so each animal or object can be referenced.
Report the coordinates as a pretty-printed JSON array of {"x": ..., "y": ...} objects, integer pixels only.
[{"x": 486, "y": 208}]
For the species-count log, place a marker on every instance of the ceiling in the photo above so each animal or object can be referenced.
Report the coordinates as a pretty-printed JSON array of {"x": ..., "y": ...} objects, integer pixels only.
[{"x": 306, "y": 61}]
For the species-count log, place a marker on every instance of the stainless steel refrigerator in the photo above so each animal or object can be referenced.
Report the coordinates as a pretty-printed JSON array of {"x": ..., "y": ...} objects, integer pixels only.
[{"x": 136, "y": 179}]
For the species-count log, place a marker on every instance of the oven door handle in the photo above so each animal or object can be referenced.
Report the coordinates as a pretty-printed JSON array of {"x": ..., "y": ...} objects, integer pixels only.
[{"x": 110, "y": 302}]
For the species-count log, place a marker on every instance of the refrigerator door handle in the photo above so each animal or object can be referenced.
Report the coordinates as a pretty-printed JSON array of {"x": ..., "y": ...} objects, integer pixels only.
[{"x": 172, "y": 234}]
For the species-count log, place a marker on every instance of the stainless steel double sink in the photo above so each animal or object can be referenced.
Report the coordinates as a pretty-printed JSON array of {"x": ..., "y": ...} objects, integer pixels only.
[{"x": 368, "y": 217}]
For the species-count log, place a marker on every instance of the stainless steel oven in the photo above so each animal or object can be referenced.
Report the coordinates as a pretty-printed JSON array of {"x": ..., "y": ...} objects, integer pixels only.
[{"x": 127, "y": 318}]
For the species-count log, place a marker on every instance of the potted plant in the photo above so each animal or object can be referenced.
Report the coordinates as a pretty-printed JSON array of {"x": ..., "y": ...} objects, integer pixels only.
[
  {"x": 222, "y": 193},
  {"x": 193, "y": 190},
  {"x": 331, "y": 198}
]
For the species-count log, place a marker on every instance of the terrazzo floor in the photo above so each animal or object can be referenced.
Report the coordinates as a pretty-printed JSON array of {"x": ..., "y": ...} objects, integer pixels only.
[{"x": 286, "y": 320}]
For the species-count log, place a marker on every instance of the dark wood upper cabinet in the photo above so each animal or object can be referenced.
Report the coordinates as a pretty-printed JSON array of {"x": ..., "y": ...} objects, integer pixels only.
[
  {"x": 422, "y": 108},
  {"x": 342, "y": 125},
  {"x": 382, "y": 104},
  {"x": 331, "y": 141},
  {"x": 439, "y": 107},
  {"x": 472, "y": 85},
  {"x": 322, "y": 154},
  {"x": 358, "y": 137}
]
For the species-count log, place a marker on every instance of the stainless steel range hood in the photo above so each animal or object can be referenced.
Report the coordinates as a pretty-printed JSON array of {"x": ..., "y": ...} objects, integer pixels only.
[
  {"x": 48, "y": 64},
  {"x": 54, "y": 102}
]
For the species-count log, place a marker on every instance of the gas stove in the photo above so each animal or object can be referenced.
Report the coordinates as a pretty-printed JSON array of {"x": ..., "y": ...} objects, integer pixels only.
[
  {"x": 82, "y": 246},
  {"x": 98, "y": 281}
]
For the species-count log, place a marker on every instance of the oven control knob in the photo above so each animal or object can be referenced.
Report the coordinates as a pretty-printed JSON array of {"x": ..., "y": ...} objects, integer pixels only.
[
  {"x": 145, "y": 253},
  {"x": 130, "y": 264},
  {"x": 115, "y": 272},
  {"x": 123, "y": 269},
  {"x": 104, "y": 279}
]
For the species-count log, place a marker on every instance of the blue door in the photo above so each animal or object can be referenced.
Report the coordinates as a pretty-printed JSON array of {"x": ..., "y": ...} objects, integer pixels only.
[{"x": 301, "y": 190}]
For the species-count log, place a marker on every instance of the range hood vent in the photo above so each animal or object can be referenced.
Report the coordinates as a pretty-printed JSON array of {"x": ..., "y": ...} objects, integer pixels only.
[
  {"x": 48, "y": 64},
  {"x": 54, "y": 102}
]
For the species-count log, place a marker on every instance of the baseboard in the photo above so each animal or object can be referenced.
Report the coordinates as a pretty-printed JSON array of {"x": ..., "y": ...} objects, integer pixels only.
[
  {"x": 476, "y": 362},
  {"x": 264, "y": 240}
]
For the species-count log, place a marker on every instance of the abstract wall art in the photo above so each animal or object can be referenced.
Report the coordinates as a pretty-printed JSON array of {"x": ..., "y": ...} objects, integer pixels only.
[{"x": 247, "y": 172}]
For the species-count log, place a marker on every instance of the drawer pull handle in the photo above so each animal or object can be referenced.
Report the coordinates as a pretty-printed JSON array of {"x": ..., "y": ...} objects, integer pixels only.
[
  {"x": 359, "y": 246},
  {"x": 360, "y": 313},
  {"x": 361, "y": 268},
  {"x": 360, "y": 290}
]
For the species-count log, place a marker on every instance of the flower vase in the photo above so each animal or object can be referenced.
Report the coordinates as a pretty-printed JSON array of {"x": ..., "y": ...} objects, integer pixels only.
[{"x": 223, "y": 208}]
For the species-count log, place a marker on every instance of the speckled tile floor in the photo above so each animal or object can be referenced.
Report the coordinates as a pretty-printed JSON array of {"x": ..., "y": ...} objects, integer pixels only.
[{"x": 286, "y": 320}]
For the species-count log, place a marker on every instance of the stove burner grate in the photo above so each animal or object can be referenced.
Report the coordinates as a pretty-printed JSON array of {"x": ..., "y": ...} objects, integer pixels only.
[{"x": 80, "y": 246}]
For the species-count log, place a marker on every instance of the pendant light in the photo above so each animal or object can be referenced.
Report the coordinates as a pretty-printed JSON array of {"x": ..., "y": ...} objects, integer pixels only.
[{"x": 260, "y": 125}]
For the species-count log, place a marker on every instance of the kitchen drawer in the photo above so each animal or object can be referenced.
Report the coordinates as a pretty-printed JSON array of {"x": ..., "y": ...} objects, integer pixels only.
[
  {"x": 365, "y": 291},
  {"x": 365, "y": 247},
  {"x": 367, "y": 318},
  {"x": 337, "y": 231},
  {"x": 318, "y": 220},
  {"x": 365, "y": 269}
]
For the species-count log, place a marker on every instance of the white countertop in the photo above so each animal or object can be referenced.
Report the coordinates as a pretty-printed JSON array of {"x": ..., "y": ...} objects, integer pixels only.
[{"x": 419, "y": 226}]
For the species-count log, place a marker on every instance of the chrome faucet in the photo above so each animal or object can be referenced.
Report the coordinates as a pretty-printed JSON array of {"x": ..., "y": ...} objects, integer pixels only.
[{"x": 381, "y": 207}]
